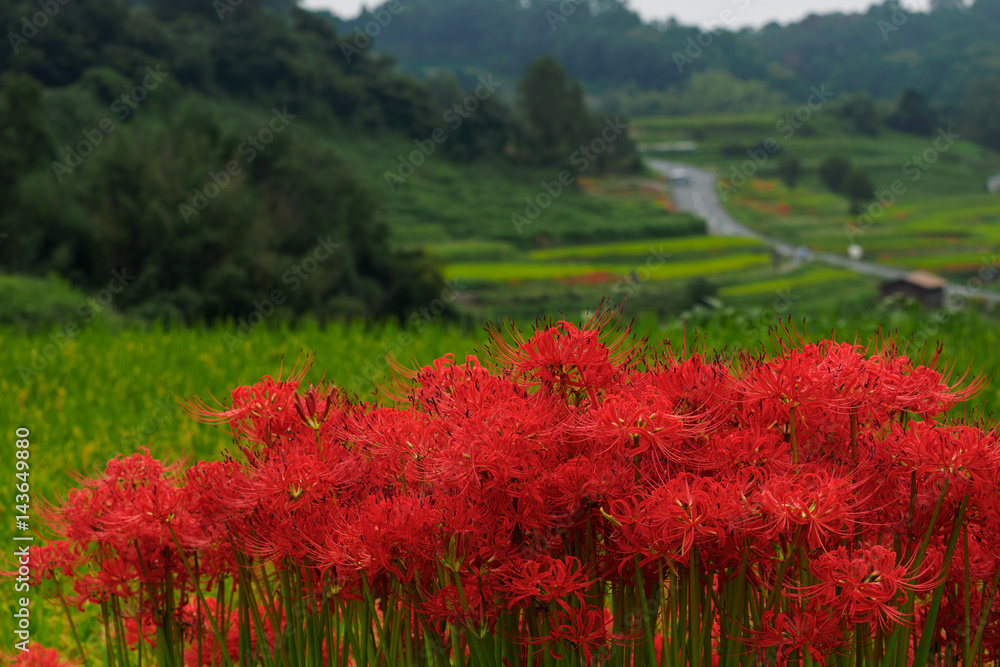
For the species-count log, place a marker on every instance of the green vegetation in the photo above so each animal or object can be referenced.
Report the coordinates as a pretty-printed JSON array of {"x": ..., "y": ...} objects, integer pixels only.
[
  {"x": 192, "y": 169},
  {"x": 445, "y": 202},
  {"x": 913, "y": 114},
  {"x": 638, "y": 249},
  {"x": 790, "y": 170},
  {"x": 797, "y": 282},
  {"x": 663, "y": 270},
  {"x": 34, "y": 304},
  {"x": 557, "y": 123},
  {"x": 215, "y": 161},
  {"x": 833, "y": 172}
]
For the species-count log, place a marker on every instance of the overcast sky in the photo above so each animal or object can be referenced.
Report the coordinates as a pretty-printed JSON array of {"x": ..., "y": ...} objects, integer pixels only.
[{"x": 705, "y": 13}]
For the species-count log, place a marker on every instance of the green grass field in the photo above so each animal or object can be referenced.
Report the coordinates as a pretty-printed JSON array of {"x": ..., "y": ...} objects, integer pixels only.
[
  {"x": 511, "y": 271},
  {"x": 809, "y": 277},
  {"x": 692, "y": 245}
]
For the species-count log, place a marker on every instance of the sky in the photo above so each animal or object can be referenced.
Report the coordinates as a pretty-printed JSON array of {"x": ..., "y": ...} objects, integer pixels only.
[{"x": 703, "y": 13}]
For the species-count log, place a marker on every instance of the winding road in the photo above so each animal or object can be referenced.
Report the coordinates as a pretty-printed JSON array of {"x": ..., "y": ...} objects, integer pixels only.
[{"x": 699, "y": 197}]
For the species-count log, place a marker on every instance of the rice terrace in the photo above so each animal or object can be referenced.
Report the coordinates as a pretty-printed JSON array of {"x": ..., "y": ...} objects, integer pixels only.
[{"x": 499, "y": 333}]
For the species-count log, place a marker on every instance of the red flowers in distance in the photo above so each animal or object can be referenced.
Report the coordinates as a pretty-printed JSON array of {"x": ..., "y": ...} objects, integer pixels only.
[{"x": 566, "y": 497}]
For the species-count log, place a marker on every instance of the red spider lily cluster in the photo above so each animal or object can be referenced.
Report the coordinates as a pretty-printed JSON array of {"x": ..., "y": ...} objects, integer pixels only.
[
  {"x": 40, "y": 657},
  {"x": 572, "y": 498}
]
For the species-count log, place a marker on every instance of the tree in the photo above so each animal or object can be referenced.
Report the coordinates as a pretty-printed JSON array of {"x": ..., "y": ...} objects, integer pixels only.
[
  {"x": 981, "y": 111},
  {"x": 790, "y": 170},
  {"x": 833, "y": 171},
  {"x": 484, "y": 131},
  {"x": 857, "y": 187},
  {"x": 212, "y": 9},
  {"x": 699, "y": 291},
  {"x": 24, "y": 139},
  {"x": 859, "y": 110},
  {"x": 556, "y": 120},
  {"x": 913, "y": 114}
]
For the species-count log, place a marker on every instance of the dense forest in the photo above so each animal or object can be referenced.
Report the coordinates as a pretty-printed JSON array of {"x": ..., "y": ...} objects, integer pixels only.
[
  {"x": 948, "y": 55},
  {"x": 189, "y": 145}
]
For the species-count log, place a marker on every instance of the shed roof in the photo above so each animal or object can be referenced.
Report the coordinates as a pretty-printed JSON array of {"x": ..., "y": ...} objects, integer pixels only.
[{"x": 925, "y": 279}]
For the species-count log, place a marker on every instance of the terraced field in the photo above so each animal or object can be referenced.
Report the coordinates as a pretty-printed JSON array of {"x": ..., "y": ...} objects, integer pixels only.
[
  {"x": 609, "y": 237},
  {"x": 940, "y": 219},
  {"x": 810, "y": 277},
  {"x": 952, "y": 236},
  {"x": 576, "y": 277}
]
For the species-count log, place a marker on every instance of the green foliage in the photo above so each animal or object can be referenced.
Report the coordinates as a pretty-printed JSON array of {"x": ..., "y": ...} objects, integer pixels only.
[
  {"x": 982, "y": 111},
  {"x": 161, "y": 175},
  {"x": 24, "y": 139},
  {"x": 888, "y": 49},
  {"x": 683, "y": 269},
  {"x": 833, "y": 171},
  {"x": 40, "y": 304},
  {"x": 913, "y": 114},
  {"x": 859, "y": 112},
  {"x": 557, "y": 124},
  {"x": 700, "y": 290},
  {"x": 858, "y": 188},
  {"x": 556, "y": 119},
  {"x": 156, "y": 201},
  {"x": 602, "y": 42},
  {"x": 295, "y": 60},
  {"x": 478, "y": 125},
  {"x": 158, "y": 170},
  {"x": 711, "y": 91},
  {"x": 790, "y": 170},
  {"x": 655, "y": 68}
]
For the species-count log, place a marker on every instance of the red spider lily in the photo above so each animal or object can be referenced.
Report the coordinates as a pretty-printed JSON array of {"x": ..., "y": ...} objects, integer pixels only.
[
  {"x": 815, "y": 502},
  {"x": 866, "y": 586},
  {"x": 585, "y": 631},
  {"x": 144, "y": 622},
  {"x": 927, "y": 392},
  {"x": 54, "y": 557},
  {"x": 564, "y": 358},
  {"x": 36, "y": 656},
  {"x": 961, "y": 454},
  {"x": 797, "y": 632},
  {"x": 673, "y": 519},
  {"x": 260, "y": 412},
  {"x": 701, "y": 387},
  {"x": 750, "y": 447},
  {"x": 630, "y": 424},
  {"x": 547, "y": 580}
]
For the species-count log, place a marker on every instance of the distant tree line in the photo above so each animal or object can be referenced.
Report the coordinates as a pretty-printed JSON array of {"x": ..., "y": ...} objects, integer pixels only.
[{"x": 942, "y": 60}]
